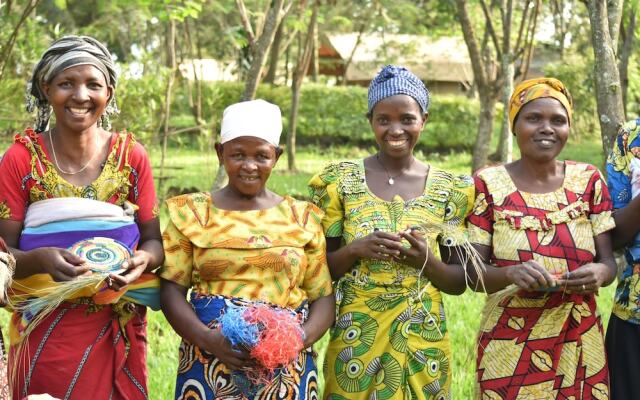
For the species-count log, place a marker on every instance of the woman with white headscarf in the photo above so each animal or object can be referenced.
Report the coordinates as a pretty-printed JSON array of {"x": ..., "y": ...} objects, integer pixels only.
[
  {"x": 244, "y": 247},
  {"x": 94, "y": 342}
]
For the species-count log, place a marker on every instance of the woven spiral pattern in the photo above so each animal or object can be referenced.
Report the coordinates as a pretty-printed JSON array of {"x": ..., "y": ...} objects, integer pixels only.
[{"x": 102, "y": 254}]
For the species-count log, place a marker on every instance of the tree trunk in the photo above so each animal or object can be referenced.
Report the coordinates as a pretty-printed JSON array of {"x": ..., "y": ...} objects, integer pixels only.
[
  {"x": 485, "y": 130},
  {"x": 287, "y": 58},
  {"x": 260, "y": 48},
  {"x": 614, "y": 17},
  {"x": 298, "y": 76},
  {"x": 507, "y": 71},
  {"x": 608, "y": 89},
  {"x": 171, "y": 62},
  {"x": 7, "y": 47},
  {"x": 363, "y": 27},
  {"x": 482, "y": 82},
  {"x": 626, "y": 48},
  {"x": 528, "y": 47},
  {"x": 315, "y": 58},
  {"x": 274, "y": 56},
  {"x": 561, "y": 23},
  {"x": 505, "y": 148},
  {"x": 195, "y": 103},
  {"x": 293, "y": 126}
]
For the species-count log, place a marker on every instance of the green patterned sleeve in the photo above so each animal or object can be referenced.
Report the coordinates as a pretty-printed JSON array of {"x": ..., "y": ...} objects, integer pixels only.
[
  {"x": 324, "y": 192},
  {"x": 460, "y": 204}
]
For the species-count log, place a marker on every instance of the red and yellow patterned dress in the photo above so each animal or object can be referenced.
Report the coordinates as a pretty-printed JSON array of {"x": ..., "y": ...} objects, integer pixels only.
[
  {"x": 541, "y": 345},
  {"x": 80, "y": 348}
]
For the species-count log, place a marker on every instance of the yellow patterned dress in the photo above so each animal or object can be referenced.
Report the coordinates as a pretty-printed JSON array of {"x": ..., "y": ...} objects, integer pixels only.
[
  {"x": 541, "y": 345},
  {"x": 275, "y": 256},
  {"x": 390, "y": 339}
]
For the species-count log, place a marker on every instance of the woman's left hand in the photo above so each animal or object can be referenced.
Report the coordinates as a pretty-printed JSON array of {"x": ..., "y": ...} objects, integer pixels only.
[
  {"x": 584, "y": 280},
  {"x": 135, "y": 266},
  {"x": 416, "y": 254}
]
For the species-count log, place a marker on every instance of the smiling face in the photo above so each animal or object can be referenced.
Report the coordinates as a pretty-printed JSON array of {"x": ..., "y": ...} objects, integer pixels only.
[
  {"x": 248, "y": 161},
  {"x": 78, "y": 95},
  {"x": 542, "y": 129},
  {"x": 397, "y": 122}
]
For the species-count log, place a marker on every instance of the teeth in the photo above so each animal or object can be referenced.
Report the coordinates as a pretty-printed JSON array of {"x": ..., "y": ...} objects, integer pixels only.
[
  {"x": 546, "y": 142},
  {"x": 396, "y": 142},
  {"x": 79, "y": 110}
]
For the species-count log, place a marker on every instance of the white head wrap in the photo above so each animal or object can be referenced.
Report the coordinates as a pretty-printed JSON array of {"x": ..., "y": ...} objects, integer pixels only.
[{"x": 256, "y": 118}]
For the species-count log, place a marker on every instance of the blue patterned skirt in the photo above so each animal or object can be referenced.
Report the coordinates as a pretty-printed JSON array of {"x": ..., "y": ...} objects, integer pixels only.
[{"x": 202, "y": 376}]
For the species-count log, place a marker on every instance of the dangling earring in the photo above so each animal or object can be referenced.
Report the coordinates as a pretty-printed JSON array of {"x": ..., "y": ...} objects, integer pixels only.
[
  {"x": 42, "y": 118},
  {"x": 104, "y": 122},
  {"x": 42, "y": 108},
  {"x": 111, "y": 109}
]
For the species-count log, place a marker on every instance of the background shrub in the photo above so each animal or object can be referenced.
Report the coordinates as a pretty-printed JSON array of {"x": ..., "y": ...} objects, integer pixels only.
[{"x": 328, "y": 116}]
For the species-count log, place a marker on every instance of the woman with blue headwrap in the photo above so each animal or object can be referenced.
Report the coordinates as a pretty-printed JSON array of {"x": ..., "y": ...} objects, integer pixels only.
[
  {"x": 62, "y": 184},
  {"x": 390, "y": 219}
]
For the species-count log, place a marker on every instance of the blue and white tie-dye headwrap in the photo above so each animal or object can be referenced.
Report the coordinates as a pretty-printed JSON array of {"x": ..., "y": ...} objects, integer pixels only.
[{"x": 393, "y": 80}]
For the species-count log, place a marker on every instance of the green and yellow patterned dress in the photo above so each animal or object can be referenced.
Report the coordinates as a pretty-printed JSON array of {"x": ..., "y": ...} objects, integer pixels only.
[{"x": 390, "y": 339}]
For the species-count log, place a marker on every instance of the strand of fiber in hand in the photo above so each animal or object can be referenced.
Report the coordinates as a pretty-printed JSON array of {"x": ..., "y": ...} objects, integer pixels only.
[
  {"x": 456, "y": 239},
  {"x": 273, "y": 337}
]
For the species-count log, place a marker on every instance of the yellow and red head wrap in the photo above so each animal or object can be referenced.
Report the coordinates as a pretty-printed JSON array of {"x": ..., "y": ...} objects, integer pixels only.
[{"x": 532, "y": 89}]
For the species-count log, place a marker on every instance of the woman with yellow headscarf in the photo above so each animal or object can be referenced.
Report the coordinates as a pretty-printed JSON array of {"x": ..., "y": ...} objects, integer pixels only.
[{"x": 542, "y": 227}]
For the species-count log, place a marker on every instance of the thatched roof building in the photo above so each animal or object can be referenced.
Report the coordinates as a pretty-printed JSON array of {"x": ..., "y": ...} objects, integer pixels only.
[{"x": 443, "y": 63}]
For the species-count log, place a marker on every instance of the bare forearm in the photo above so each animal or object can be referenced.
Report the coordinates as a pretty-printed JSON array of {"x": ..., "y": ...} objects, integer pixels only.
[
  {"x": 27, "y": 263},
  {"x": 151, "y": 243},
  {"x": 340, "y": 261},
  {"x": 153, "y": 248},
  {"x": 321, "y": 317},
  {"x": 449, "y": 278},
  {"x": 611, "y": 274},
  {"x": 627, "y": 223},
  {"x": 609, "y": 264},
  {"x": 493, "y": 279},
  {"x": 180, "y": 315}
]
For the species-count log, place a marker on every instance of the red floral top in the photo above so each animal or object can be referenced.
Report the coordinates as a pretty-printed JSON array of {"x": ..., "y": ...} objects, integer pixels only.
[{"x": 27, "y": 175}]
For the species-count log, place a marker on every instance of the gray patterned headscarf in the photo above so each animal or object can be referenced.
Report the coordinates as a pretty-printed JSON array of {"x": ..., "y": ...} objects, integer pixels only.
[
  {"x": 393, "y": 80},
  {"x": 64, "y": 53}
]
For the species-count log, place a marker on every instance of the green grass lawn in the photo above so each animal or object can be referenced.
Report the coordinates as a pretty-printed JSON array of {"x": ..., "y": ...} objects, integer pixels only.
[{"x": 196, "y": 169}]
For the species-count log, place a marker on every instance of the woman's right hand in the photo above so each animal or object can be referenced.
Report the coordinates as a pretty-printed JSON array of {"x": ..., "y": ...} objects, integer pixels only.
[
  {"x": 378, "y": 245},
  {"x": 215, "y": 343},
  {"x": 61, "y": 264},
  {"x": 530, "y": 276}
]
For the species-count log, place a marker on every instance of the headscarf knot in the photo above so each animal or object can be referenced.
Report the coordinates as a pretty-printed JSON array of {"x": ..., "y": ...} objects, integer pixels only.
[
  {"x": 536, "y": 88},
  {"x": 393, "y": 80}
]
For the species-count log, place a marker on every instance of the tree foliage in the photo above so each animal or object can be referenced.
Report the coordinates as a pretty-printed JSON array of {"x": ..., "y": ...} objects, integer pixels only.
[{"x": 136, "y": 31}]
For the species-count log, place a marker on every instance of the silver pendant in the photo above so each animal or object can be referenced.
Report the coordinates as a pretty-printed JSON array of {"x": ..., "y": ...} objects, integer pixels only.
[{"x": 391, "y": 181}]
